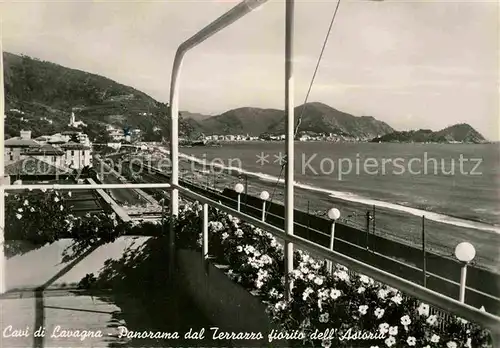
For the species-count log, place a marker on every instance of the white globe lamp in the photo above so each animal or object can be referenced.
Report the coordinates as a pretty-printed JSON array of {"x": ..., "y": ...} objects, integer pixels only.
[
  {"x": 465, "y": 252},
  {"x": 239, "y": 188},
  {"x": 334, "y": 214},
  {"x": 264, "y": 195}
]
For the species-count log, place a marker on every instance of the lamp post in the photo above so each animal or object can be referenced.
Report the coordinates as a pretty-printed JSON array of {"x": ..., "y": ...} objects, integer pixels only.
[
  {"x": 264, "y": 195},
  {"x": 334, "y": 215},
  {"x": 465, "y": 253},
  {"x": 239, "y": 189}
]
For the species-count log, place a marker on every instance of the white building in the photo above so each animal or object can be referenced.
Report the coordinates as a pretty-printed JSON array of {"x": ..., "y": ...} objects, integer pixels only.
[{"x": 74, "y": 123}]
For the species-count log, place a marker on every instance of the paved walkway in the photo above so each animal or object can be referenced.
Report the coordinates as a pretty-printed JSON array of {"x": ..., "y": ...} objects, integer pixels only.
[{"x": 43, "y": 294}]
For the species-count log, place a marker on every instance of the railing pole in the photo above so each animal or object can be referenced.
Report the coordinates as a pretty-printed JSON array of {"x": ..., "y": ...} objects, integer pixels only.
[
  {"x": 332, "y": 240},
  {"x": 263, "y": 211},
  {"x": 205, "y": 231},
  {"x": 3, "y": 287},
  {"x": 289, "y": 122},
  {"x": 220, "y": 23},
  {"x": 463, "y": 280},
  {"x": 174, "y": 156},
  {"x": 239, "y": 201}
]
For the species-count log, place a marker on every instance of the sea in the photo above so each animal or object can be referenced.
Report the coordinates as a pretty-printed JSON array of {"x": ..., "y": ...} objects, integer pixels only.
[{"x": 455, "y": 183}]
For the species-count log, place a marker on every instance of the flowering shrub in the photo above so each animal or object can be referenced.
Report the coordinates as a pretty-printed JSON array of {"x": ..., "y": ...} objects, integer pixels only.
[
  {"x": 43, "y": 217},
  {"x": 38, "y": 216},
  {"x": 347, "y": 304}
]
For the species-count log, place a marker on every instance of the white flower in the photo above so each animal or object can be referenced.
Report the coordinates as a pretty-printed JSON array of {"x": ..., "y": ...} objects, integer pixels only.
[
  {"x": 239, "y": 233},
  {"x": 334, "y": 294},
  {"x": 373, "y": 346},
  {"x": 411, "y": 341},
  {"x": 383, "y": 328},
  {"x": 468, "y": 344},
  {"x": 69, "y": 194},
  {"x": 61, "y": 207},
  {"x": 318, "y": 280},
  {"x": 342, "y": 275},
  {"x": 306, "y": 293},
  {"x": 361, "y": 290},
  {"x": 363, "y": 309},
  {"x": 20, "y": 210},
  {"x": 451, "y": 344},
  {"x": 43, "y": 190},
  {"x": 431, "y": 320},
  {"x": 379, "y": 313},
  {"x": 382, "y": 294},
  {"x": 405, "y": 320},
  {"x": 435, "y": 339},
  {"x": 225, "y": 235},
  {"x": 239, "y": 248},
  {"x": 423, "y": 309},
  {"x": 326, "y": 343},
  {"x": 26, "y": 202},
  {"x": 56, "y": 199},
  {"x": 393, "y": 330},
  {"x": 7, "y": 195},
  {"x": 259, "y": 283},
  {"x": 32, "y": 209},
  {"x": 19, "y": 216},
  {"x": 365, "y": 280},
  {"x": 390, "y": 341},
  {"x": 323, "y": 318},
  {"x": 397, "y": 299}
]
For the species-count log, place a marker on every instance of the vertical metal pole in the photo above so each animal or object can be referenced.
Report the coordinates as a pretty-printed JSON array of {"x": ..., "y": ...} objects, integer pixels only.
[
  {"x": 2, "y": 191},
  {"x": 205, "y": 231},
  {"x": 367, "y": 229},
  {"x": 263, "y": 211},
  {"x": 373, "y": 220},
  {"x": 424, "y": 267},
  {"x": 174, "y": 156},
  {"x": 332, "y": 239},
  {"x": 239, "y": 201},
  {"x": 463, "y": 280},
  {"x": 289, "y": 125}
]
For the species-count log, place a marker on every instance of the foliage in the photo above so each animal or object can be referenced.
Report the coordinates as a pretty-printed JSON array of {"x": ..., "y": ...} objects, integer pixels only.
[
  {"x": 341, "y": 300},
  {"x": 43, "y": 217},
  {"x": 350, "y": 303}
]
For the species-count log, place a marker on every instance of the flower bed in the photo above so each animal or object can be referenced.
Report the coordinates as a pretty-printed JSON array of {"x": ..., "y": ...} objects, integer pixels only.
[
  {"x": 347, "y": 304},
  {"x": 350, "y": 305},
  {"x": 42, "y": 217}
]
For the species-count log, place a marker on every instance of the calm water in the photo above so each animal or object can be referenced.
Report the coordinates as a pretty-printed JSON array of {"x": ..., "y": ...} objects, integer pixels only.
[{"x": 452, "y": 179}]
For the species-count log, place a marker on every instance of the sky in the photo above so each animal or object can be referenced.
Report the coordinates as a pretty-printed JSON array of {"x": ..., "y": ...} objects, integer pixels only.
[{"x": 413, "y": 64}]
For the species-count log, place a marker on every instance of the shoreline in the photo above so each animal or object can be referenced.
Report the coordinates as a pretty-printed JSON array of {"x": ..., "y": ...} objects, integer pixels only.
[{"x": 367, "y": 201}]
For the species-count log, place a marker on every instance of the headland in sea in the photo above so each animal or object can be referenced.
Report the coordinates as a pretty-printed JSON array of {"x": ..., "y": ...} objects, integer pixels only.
[{"x": 455, "y": 186}]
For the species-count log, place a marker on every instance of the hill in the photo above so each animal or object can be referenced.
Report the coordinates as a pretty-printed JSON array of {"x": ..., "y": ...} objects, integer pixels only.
[
  {"x": 252, "y": 121},
  {"x": 458, "y": 133},
  {"x": 321, "y": 118},
  {"x": 317, "y": 118},
  {"x": 44, "y": 94}
]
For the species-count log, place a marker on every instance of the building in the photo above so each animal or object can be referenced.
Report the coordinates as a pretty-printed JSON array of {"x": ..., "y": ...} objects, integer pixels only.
[
  {"x": 77, "y": 155},
  {"x": 74, "y": 123},
  {"x": 57, "y": 150},
  {"x": 16, "y": 146}
]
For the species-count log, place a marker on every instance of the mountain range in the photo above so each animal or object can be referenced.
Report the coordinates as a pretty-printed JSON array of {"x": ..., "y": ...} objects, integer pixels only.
[{"x": 46, "y": 94}]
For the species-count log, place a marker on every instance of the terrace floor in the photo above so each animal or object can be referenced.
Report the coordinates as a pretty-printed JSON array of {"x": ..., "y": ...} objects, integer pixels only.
[{"x": 42, "y": 293}]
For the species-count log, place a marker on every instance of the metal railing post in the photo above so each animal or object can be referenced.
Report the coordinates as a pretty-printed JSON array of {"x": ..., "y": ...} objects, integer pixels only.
[
  {"x": 3, "y": 286},
  {"x": 289, "y": 125},
  {"x": 205, "y": 231},
  {"x": 222, "y": 22}
]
